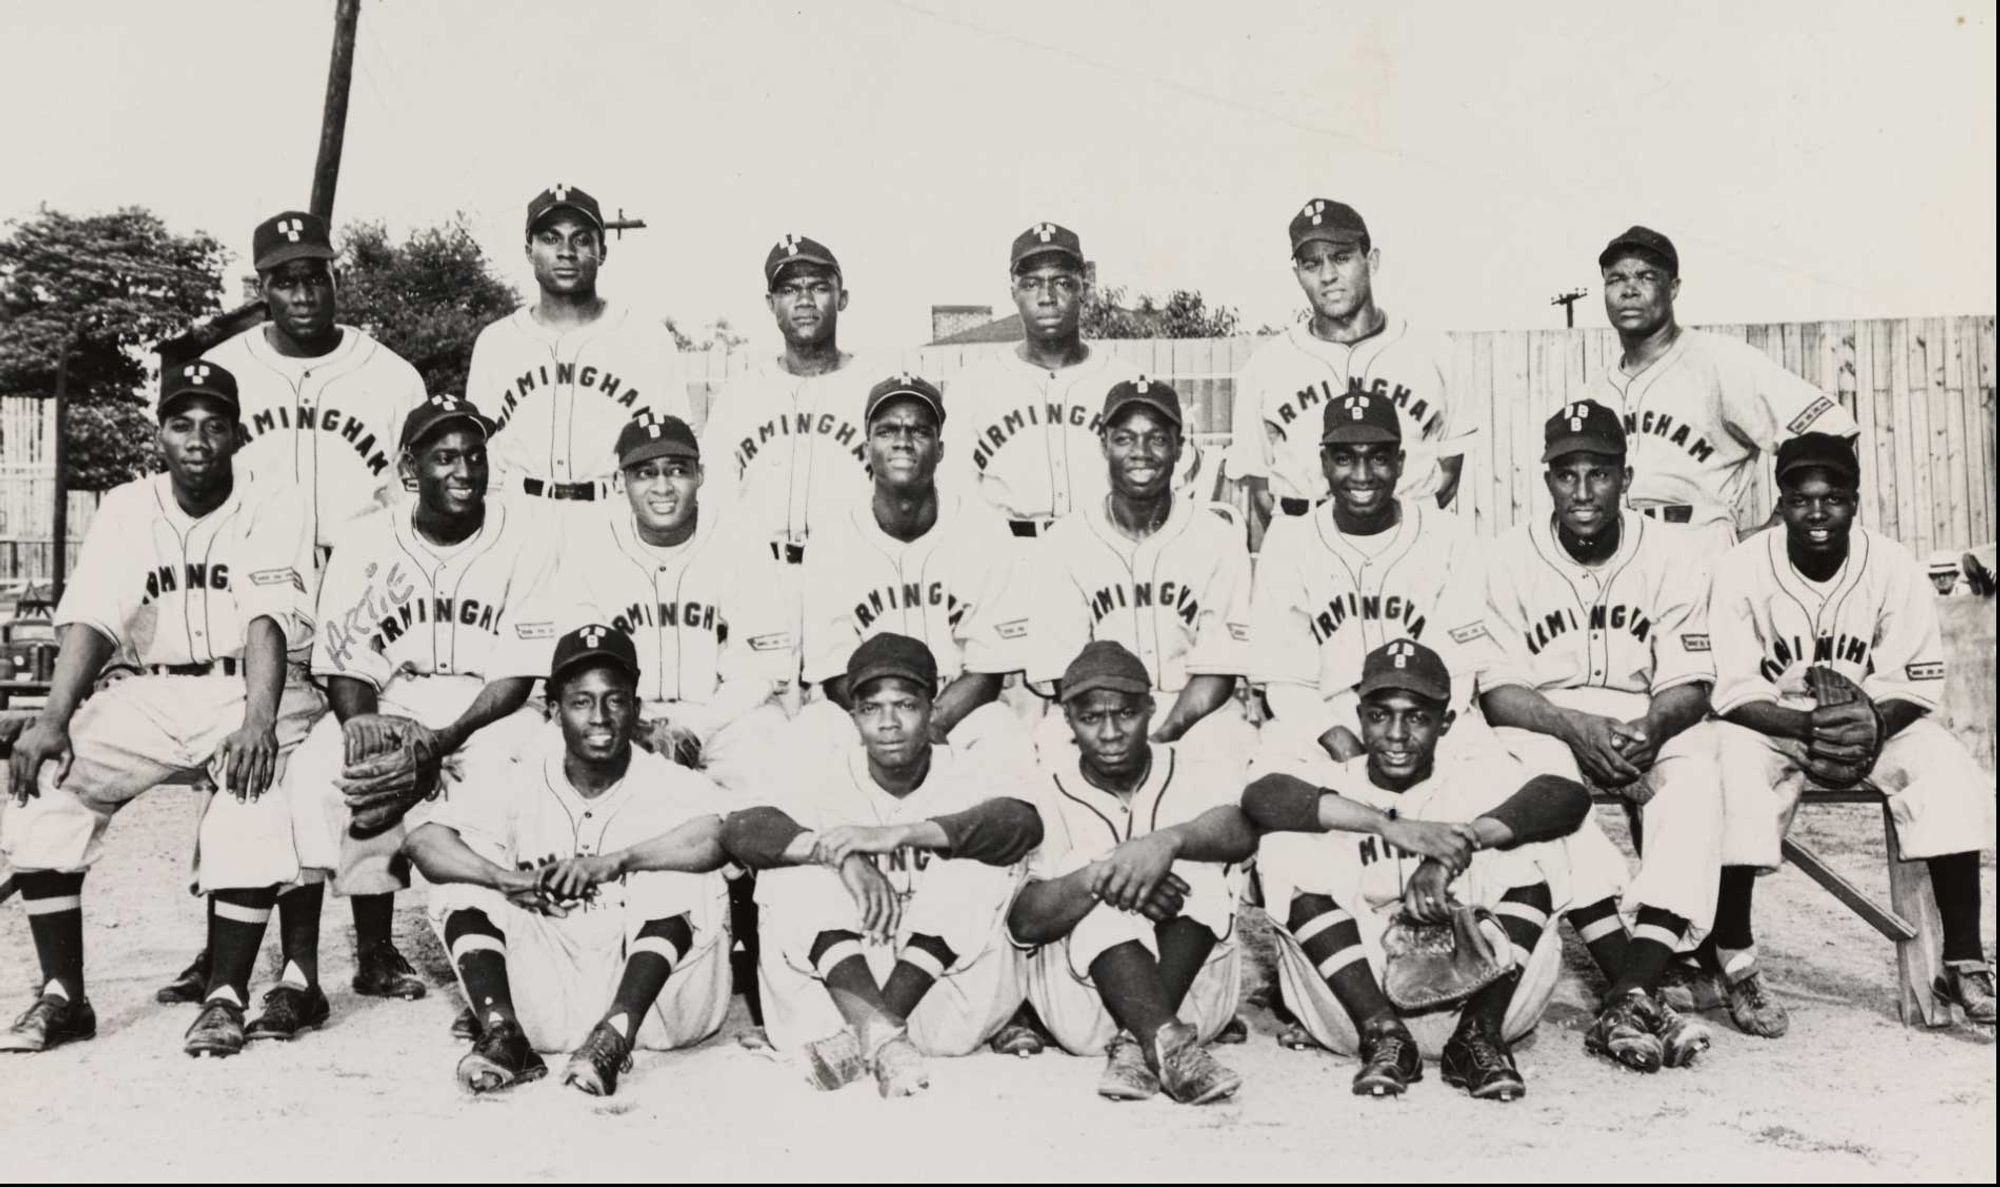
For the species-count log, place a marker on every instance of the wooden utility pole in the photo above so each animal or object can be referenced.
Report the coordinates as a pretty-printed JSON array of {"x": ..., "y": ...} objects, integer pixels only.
[
  {"x": 59, "y": 565},
  {"x": 1568, "y": 301},
  {"x": 333, "y": 118},
  {"x": 618, "y": 226}
]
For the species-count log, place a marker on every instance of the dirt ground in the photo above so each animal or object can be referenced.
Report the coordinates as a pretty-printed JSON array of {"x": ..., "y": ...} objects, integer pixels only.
[{"x": 1849, "y": 1094}]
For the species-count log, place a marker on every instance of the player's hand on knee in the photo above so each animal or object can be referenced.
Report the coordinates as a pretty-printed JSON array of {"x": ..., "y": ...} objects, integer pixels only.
[
  {"x": 881, "y": 910},
  {"x": 1427, "y": 895},
  {"x": 1597, "y": 743},
  {"x": 1167, "y": 900},
  {"x": 836, "y": 845},
  {"x": 1134, "y": 868},
  {"x": 1443, "y": 843},
  {"x": 40, "y": 743},
  {"x": 248, "y": 759}
]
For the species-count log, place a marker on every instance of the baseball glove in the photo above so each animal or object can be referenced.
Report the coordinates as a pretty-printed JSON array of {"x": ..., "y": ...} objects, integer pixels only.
[
  {"x": 1436, "y": 964},
  {"x": 1847, "y": 730},
  {"x": 381, "y": 787}
]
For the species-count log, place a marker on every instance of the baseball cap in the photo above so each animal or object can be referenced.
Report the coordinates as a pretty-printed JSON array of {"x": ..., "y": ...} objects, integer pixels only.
[
  {"x": 797, "y": 249},
  {"x": 1819, "y": 449},
  {"x": 1324, "y": 218},
  {"x": 1361, "y": 416},
  {"x": 1641, "y": 239},
  {"x": 901, "y": 386},
  {"x": 436, "y": 412},
  {"x": 892, "y": 655},
  {"x": 564, "y": 197},
  {"x": 1045, "y": 239},
  {"x": 1104, "y": 664},
  {"x": 1583, "y": 427},
  {"x": 594, "y": 644},
  {"x": 293, "y": 235},
  {"x": 647, "y": 437},
  {"x": 1407, "y": 665},
  {"x": 1149, "y": 392},
  {"x": 199, "y": 378}
]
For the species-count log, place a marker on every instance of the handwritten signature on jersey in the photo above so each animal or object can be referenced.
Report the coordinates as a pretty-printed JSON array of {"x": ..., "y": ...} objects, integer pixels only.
[{"x": 379, "y": 599}]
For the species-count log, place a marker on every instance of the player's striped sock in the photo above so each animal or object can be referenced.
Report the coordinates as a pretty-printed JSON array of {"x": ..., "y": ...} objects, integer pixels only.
[
  {"x": 1602, "y": 931},
  {"x": 54, "y": 903},
  {"x": 1331, "y": 940},
  {"x": 837, "y": 957},
  {"x": 650, "y": 959},
  {"x": 918, "y": 966},
  {"x": 1524, "y": 916},
  {"x": 298, "y": 930},
  {"x": 235, "y": 932},
  {"x": 479, "y": 951},
  {"x": 1657, "y": 937}
]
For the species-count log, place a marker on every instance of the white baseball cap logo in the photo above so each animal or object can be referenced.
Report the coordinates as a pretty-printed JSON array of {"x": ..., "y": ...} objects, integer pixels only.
[
  {"x": 653, "y": 429},
  {"x": 198, "y": 373},
  {"x": 1312, "y": 210},
  {"x": 1355, "y": 406},
  {"x": 291, "y": 228},
  {"x": 1045, "y": 232},
  {"x": 789, "y": 245},
  {"x": 1400, "y": 653},
  {"x": 592, "y": 636},
  {"x": 1143, "y": 386},
  {"x": 559, "y": 192}
]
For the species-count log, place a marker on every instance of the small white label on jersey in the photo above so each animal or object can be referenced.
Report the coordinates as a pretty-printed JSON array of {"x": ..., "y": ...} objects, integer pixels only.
[
  {"x": 278, "y": 577},
  {"x": 1469, "y": 632},
  {"x": 1694, "y": 642},
  {"x": 1017, "y": 629},
  {"x": 1239, "y": 631},
  {"x": 777, "y": 641},
  {"x": 1934, "y": 670},
  {"x": 1804, "y": 419},
  {"x": 535, "y": 630}
]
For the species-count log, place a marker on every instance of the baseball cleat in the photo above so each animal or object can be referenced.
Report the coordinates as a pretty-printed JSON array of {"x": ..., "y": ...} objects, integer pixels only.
[
  {"x": 835, "y": 1062},
  {"x": 1018, "y": 1038},
  {"x": 1688, "y": 988},
  {"x": 501, "y": 1058},
  {"x": 1293, "y": 1036},
  {"x": 1754, "y": 1010},
  {"x": 1625, "y": 1032},
  {"x": 52, "y": 1021},
  {"x": 289, "y": 1011},
  {"x": 217, "y": 1031},
  {"x": 382, "y": 972},
  {"x": 1187, "y": 1072},
  {"x": 1682, "y": 1038},
  {"x": 595, "y": 1066},
  {"x": 899, "y": 1069},
  {"x": 189, "y": 986},
  {"x": 1478, "y": 1061},
  {"x": 1390, "y": 1061},
  {"x": 1970, "y": 984},
  {"x": 1126, "y": 1076},
  {"x": 465, "y": 1027}
]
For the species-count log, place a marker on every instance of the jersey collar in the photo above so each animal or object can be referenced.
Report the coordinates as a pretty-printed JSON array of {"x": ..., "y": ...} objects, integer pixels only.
[
  {"x": 1127, "y": 817},
  {"x": 1631, "y": 530}
]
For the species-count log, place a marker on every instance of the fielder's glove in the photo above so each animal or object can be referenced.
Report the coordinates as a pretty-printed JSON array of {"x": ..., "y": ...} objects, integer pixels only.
[
  {"x": 382, "y": 786},
  {"x": 676, "y": 744},
  {"x": 1435, "y": 964},
  {"x": 1847, "y": 730}
]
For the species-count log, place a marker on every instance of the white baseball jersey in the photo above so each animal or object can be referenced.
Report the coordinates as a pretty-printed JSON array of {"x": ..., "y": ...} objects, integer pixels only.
[
  {"x": 393, "y": 605},
  {"x": 1324, "y": 600},
  {"x": 712, "y": 635},
  {"x": 168, "y": 588},
  {"x": 1178, "y": 599},
  {"x": 1697, "y": 415},
  {"x": 785, "y": 453},
  {"x": 1024, "y": 438},
  {"x": 1874, "y": 622},
  {"x": 561, "y": 395},
  {"x": 1283, "y": 391},
  {"x": 329, "y": 424},
  {"x": 1637, "y": 623},
  {"x": 954, "y": 588},
  {"x": 1082, "y": 822}
]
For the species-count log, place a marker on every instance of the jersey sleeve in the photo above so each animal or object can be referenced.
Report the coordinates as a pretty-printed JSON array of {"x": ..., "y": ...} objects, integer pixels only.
[
  {"x": 1766, "y": 405},
  {"x": 351, "y": 592},
  {"x": 1250, "y": 453},
  {"x": 994, "y": 634},
  {"x": 1465, "y": 639},
  {"x": 1061, "y": 612},
  {"x": 1733, "y": 616},
  {"x": 103, "y": 592},
  {"x": 1282, "y": 646},
  {"x": 1222, "y": 630},
  {"x": 1682, "y": 650},
  {"x": 1908, "y": 647},
  {"x": 280, "y": 549},
  {"x": 527, "y": 624},
  {"x": 480, "y": 807},
  {"x": 1509, "y": 664}
]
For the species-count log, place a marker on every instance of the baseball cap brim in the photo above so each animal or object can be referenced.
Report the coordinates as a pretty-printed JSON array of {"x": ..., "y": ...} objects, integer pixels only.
[
  {"x": 1170, "y": 409},
  {"x": 902, "y": 393},
  {"x": 181, "y": 395},
  {"x": 647, "y": 450},
  {"x": 804, "y": 257},
  {"x": 863, "y": 677},
  {"x": 1582, "y": 443},
  {"x": 285, "y": 253},
  {"x": 1619, "y": 248},
  {"x": 1343, "y": 236},
  {"x": 589, "y": 216},
  {"x": 1040, "y": 250},
  {"x": 589, "y": 659},
  {"x": 433, "y": 427},
  {"x": 1842, "y": 466},
  {"x": 1359, "y": 434},
  {"x": 1401, "y": 680},
  {"x": 1108, "y": 681}
]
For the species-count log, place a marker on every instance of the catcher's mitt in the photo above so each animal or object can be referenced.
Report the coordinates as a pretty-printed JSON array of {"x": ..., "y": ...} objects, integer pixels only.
[
  {"x": 381, "y": 787},
  {"x": 1847, "y": 730},
  {"x": 1436, "y": 964}
]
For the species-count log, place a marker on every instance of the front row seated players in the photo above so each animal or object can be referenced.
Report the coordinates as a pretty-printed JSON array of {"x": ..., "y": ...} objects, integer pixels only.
[
  {"x": 887, "y": 871},
  {"x": 581, "y": 870},
  {"x": 1359, "y": 841}
]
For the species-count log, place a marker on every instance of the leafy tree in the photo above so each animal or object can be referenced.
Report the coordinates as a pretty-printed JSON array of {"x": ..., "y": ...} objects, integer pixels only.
[
  {"x": 1183, "y": 314},
  {"x": 717, "y": 335},
  {"x": 426, "y": 298},
  {"x": 107, "y": 287}
]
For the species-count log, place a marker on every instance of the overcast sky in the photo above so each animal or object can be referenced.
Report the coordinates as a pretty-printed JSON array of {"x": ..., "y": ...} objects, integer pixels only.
[{"x": 1811, "y": 159}]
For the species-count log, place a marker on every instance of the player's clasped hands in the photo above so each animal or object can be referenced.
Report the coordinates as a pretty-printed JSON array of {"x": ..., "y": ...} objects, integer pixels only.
[
  {"x": 836, "y": 845},
  {"x": 1128, "y": 876},
  {"x": 575, "y": 878},
  {"x": 1601, "y": 748},
  {"x": 1449, "y": 844},
  {"x": 1427, "y": 895}
]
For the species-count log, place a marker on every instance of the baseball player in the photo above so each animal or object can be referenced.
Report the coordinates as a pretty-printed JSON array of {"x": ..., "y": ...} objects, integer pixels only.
[
  {"x": 560, "y": 377},
  {"x": 427, "y": 654},
  {"x": 1820, "y": 607},
  {"x": 887, "y": 874},
  {"x": 1132, "y": 894},
  {"x": 581, "y": 870},
  {"x": 321, "y": 401},
  {"x": 1348, "y": 345},
  {"x": 1358, "y": 841},
  {"x": 1601, "y": 622},
  {"x": 1698, "y": 407},
  {"x": 1156, "y": 573},
  {"x": 933, "y": 564},
  {"x": 201, "y": 577},
  {"x": 1371, "y": 567}
]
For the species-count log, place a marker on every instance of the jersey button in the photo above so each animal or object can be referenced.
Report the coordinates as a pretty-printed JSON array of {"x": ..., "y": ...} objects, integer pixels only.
[{"x": 586, "y": 816}]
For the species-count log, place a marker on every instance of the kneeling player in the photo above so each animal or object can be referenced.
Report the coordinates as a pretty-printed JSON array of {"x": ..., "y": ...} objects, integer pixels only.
[
  {"x": 891, "y": 869},
  {"x": 1401, "y": 833},
  {"x": 1132, "y": 894},
  {"x": 1828, "y": 668},
  {"x": 581, "y": 870}
]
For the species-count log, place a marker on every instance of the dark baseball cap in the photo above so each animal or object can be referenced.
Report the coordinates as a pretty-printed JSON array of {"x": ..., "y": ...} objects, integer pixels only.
[
  {"x": 1407, "y": 665},
  {"x": 1104, "y": 664},
  {"x": 797, "y": 249},
  {"x": 904, "y": 386},
  {"x": 1149, "y": 392},
  {"x": 1823, "y": 450},
  {"x": 564, "y": 197},
  {"x": 1644, "y": 240},
  {"x": 433, "y": 414},
  {"x": 293, "y": 235},
  {"x": 892, "y": 655},
  {"x": 1360, "y": 416},
  {"x": 647, "y": 437},
  {"x": 1583, "y": 427},
  {"x": 1045, "y": 239},
  {"x": 199, "y": 378},
  {"x": 597, "y": 645},
  {"x": 1334, "y": 222}
]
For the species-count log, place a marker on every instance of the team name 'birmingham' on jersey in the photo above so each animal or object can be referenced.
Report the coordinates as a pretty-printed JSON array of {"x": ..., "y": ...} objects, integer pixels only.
[
  {"x": 786, "y": 453},
  {"x": 1024, "y": 438}
]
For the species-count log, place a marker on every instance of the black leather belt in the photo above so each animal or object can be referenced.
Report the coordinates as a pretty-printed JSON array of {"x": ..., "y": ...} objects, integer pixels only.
[
  {"x": 580, "y": 491},
  {"x": 1295, "y": 506},
  {"x": 1671, "y": 512},
  {"x": 1028, "y": 529},
  {"x": 791, "y": 554},
  {"x": 215, "y": 667}
]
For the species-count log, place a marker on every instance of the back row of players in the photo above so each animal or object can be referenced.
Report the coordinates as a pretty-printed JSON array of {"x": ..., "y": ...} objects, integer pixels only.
[{"x": 861, "y": 551}]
